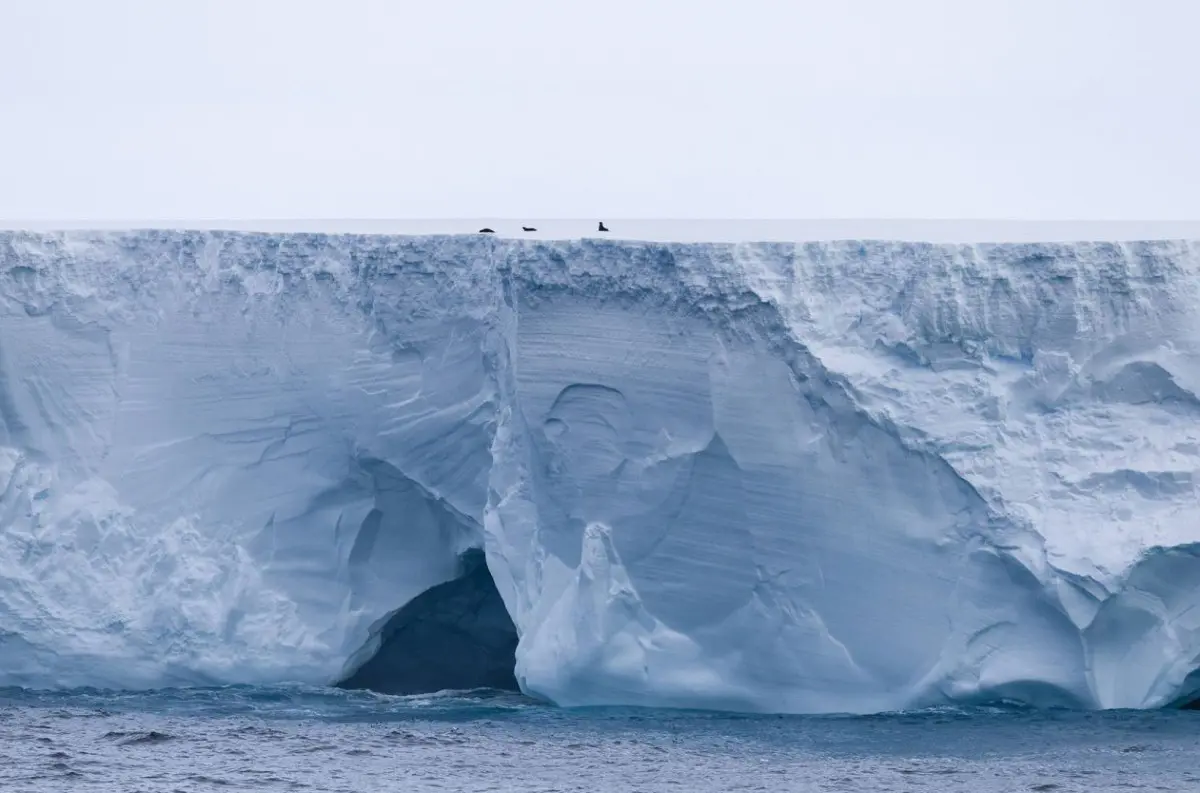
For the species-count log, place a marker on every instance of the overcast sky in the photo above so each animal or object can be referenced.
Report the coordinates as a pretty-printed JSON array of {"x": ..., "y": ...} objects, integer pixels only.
[{"x": 582, "y": 108}]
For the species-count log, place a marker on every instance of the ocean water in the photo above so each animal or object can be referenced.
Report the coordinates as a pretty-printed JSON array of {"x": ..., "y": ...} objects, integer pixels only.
[{"x": 295, "y": 738}]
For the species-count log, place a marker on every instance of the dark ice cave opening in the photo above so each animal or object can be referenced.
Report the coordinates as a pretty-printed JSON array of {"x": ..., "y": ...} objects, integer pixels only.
[
  {"x": 1188, "y": 697},
  {"x": 456, "y": 635}
]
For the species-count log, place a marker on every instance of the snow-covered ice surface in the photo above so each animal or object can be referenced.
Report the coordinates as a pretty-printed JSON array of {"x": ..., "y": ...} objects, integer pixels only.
[
  {"x": 843, "y": 476},
  {"x": 679, "y": 230}
]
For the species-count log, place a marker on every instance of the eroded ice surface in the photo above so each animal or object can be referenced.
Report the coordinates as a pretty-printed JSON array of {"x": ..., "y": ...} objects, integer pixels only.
[{"x": 804, "y": 477}]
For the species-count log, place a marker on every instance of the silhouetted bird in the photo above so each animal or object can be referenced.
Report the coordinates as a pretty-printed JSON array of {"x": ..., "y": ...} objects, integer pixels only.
[
  {"x": 486, "y": 231},
  {"x": 603, "y": 227},
  {"x": 528, "y": 228}
]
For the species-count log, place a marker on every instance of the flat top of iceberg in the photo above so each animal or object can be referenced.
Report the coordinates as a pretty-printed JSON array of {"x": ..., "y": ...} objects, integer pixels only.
[{"x": 766, "y": 230}]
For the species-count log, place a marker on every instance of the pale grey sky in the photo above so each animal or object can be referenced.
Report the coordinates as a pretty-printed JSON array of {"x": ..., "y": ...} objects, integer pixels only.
[{"x": 577, "y": 108}]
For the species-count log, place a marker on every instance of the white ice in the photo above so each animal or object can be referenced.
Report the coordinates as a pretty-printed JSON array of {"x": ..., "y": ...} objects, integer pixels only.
[{"x": 845, "y": 476}]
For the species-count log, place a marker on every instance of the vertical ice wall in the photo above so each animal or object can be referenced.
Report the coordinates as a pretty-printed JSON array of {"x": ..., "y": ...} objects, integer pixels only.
[{"x": 843, "y": 476}]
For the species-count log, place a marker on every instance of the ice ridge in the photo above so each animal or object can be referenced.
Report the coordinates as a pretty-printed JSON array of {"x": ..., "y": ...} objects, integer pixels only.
[{"x": 807, "y": 477}]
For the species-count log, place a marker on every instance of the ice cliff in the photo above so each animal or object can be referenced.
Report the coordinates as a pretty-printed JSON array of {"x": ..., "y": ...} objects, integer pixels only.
[{"x": 846, "y": 476}]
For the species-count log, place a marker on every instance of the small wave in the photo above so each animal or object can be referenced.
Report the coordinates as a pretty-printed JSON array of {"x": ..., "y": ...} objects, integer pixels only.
[
  {"x": 63, "y": 770},
  {"x": 138, "y": 738},
  {"x": 451, "y": 737},
  {"x": 209, "y": 780}
]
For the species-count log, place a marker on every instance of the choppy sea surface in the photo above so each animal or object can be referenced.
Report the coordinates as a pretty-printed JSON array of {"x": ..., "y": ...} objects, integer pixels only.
[{"x": 295, "y": 738}]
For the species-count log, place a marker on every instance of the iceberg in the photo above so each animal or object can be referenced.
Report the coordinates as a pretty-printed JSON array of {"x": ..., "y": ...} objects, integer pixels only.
[{"x": 846, "y": 476}]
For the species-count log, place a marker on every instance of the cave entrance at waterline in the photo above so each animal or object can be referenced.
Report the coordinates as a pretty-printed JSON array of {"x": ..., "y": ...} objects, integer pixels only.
[{"x": 456, "y": 635}]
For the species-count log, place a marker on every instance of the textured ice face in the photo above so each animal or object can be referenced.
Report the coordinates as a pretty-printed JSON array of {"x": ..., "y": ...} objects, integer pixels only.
[
  {"x": 815, "y": 477},
  {"x": 224, "y": 461}
]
